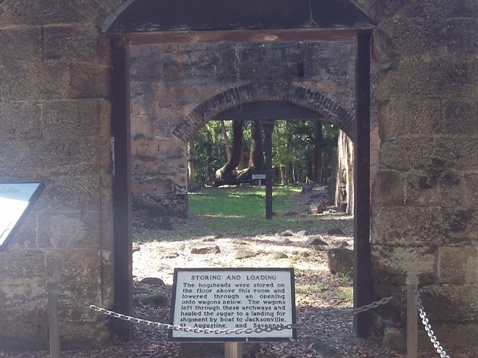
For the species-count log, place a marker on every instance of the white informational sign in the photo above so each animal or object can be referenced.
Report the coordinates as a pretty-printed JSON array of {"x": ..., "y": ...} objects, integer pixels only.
[
  {"x": 258, "y": 176},
  {"x": 15, "y": 198},
  {"x": 258, "y": 300}
]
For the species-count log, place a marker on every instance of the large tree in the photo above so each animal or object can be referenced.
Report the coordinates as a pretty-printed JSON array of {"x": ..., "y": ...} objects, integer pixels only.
[{"x": 226, "y": 174}]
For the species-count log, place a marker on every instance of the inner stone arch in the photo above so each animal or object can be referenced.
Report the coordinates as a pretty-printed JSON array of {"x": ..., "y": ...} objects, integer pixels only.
[
  {"x": 295, "y": 99},
  {"x": 176, "y": 89}
]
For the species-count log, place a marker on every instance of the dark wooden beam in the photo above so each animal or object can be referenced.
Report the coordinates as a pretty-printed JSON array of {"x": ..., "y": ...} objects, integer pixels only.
[
  {"x": 212, "y": 15},
  {"x": 122, "y": 187},
  {"x": 362, "y": 266},
  {"x": 285, "y": 35}
]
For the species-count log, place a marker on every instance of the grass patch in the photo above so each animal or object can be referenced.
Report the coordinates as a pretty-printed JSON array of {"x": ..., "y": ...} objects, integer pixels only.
[
  {"x": 241, "y": 210},
  {"x": 346, "y": 294}
]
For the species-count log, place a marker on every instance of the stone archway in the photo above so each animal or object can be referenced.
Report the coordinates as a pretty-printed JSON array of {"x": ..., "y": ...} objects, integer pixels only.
[
  {"x": 296, "y": 103},
  {"x": 301, "y": 96}
]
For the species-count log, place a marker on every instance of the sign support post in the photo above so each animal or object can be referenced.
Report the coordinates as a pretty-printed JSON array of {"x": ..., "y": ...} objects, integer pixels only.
[
  {"x": 233, "y": 350},
  {"x": 268, "y": 127}
]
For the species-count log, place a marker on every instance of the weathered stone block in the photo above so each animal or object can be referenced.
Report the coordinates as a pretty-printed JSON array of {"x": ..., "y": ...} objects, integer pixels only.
[
  {"x": 451, "y": 303},
  {"x": 71, "y": 193},
  {"x": 429, "y": 154},
  {"x": 141, "y": 126},
  {"x": 20, "y": 44},
  {"x": 458, "y": 265},
  {"x": 71, "y": 118},
  {"x": 89, "y": 81},
  {"x": 85, "y": 335},
  {"x": 80, "y": 270},
  {"x": 19, "y": 264},
  {"x": 435, "y": 78},
  {"x": 42, "y": 12},
  {"x": 397, "y": 261},
  {"x": 16, "y": 151},
  {"x": 24, "y": 335},
  {"x": 34, "y": 82},
  {"x": 404, "y": 225},
  {"x": 73, "y": 156},
  {"x": 395, "y": 155},
  {"x": 145, "y": 150},
  {"x": 20, "y": 120},
  {"x": 435, "y": 155},
  {"x": 388, "y": 188},
  {"x": 69, "y": 230},
  {"x": 427, "y": 39},
  {"x": 75, "y": 44},
  {"x": 451, "y": 8},
  {"x": 453, "y": 335},
  {"x": 440, "y": 188},
  {"x": 405, "y": 116},
  {"x": 459, "y": 116},
  {"x": 461, "y": 224}
]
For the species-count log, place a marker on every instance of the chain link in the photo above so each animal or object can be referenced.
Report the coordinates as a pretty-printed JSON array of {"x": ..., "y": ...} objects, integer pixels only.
[
  {"x": 176, "y": 327},
  {"x": 338, "y": 313},
  {"x": 24, "y": 302},
  {"x": 428, "y": 327},
  {"x": 354, "y": 311}
]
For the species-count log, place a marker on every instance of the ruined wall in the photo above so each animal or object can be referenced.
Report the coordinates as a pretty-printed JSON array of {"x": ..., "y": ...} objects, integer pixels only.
[
  {"x": 425, "y": 218},
  {"x": 55, "y": 128},
  {"x": 170, "y": 82}
]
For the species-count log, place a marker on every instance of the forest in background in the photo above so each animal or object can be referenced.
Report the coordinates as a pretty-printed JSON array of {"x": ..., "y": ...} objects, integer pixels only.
[{"x": 229, "y": 152}]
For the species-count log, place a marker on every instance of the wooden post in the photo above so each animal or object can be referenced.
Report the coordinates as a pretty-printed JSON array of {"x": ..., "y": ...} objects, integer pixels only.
[
  {"x": 54, "y": 333},
  {"x": 412, "y": 316},
  {"x": 362, "y": 259},
  {"x": 268, "y": 127},
  {"x": 122, "y": 207},
  {"x": 233, "y": 350}
]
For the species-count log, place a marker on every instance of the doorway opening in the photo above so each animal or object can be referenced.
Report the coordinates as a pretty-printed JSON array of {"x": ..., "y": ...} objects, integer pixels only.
[{"x": 360, "y": 36}]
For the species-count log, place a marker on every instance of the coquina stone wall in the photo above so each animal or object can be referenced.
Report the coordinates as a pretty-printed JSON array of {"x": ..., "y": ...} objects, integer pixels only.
[
  {"x": 55, "y": 128},
  {"x": 425, "y": 195}
]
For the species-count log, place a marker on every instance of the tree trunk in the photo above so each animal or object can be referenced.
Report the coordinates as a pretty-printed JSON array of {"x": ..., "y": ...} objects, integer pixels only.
[
  {"x": 191, "y": 168},
  {"x": 317, "y": 178},
  {"x": 227, "y": 143},
  {"x": 240, "y": 166},
  {"x": 256, "y": 158},
  {"x": 225, "y": 175}
]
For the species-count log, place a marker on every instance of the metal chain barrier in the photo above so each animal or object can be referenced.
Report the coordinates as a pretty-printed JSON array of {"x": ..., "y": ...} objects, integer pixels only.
[
  {"x": 337, "y": 313},
  {"x": 24, "y": 302},
  {"x": 175, "y": 327},
  {"x": 216, "y": 330},
  {"x": 428, "y": 328},
  {"x": 354, "y": 311}
]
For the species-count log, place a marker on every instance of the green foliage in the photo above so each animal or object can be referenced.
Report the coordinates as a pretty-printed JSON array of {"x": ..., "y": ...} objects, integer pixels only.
[
  {"x": 293, "y": 147},
  {"x": 209, "y": 152},
  {"x": 294, "y": 144}
]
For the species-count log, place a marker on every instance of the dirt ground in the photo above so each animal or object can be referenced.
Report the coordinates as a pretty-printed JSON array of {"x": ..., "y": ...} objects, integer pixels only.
[{"x": 324, "y": 331}]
